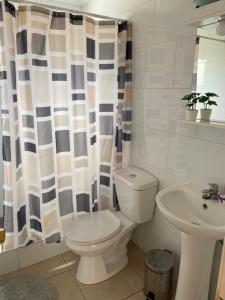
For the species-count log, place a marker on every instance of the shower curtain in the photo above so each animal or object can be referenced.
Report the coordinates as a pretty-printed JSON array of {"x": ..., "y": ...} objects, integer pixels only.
[{"x": 66, "y": 113}]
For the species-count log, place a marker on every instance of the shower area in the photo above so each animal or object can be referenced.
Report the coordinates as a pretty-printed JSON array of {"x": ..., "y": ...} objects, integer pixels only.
[{"x": 65, "y": 88}]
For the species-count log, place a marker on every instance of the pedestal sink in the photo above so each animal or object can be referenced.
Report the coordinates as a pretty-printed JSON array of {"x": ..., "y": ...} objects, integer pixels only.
[{"x": 200, "y": 226}]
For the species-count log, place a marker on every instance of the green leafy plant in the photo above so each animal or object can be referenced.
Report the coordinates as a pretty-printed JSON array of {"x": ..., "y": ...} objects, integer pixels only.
[
  {"x": 192, "y": 100},
  {"x": 205, "y": 99}
]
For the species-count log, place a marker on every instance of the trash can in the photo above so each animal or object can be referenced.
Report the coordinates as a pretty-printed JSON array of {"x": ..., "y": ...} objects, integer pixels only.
[{"x": 158, "y": 274}]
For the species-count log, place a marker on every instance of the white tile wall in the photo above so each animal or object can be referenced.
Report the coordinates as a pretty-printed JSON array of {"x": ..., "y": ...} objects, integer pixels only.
[{"x": 154, "y": 66}]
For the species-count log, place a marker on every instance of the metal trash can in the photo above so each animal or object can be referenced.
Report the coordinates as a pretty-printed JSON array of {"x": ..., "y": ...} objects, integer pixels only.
[{"x": 158, "y": 274}]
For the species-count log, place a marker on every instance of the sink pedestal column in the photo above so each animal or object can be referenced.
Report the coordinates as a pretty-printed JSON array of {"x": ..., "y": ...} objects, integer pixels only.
[{"x": 195, "y": 267}]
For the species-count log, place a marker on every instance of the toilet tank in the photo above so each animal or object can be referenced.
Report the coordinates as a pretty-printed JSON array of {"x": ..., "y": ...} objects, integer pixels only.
[{"x": 136, "y": 193}]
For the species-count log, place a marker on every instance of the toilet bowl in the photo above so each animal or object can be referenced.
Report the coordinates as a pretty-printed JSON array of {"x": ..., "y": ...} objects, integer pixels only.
[{"x": 100, "y": 238}]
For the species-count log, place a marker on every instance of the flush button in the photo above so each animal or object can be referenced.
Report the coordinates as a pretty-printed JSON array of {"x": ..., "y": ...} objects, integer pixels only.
[{"x": 132, "y": 175}]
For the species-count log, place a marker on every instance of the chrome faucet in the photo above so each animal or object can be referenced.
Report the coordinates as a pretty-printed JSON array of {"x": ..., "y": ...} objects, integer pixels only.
[{"x": 211, "y": 193}]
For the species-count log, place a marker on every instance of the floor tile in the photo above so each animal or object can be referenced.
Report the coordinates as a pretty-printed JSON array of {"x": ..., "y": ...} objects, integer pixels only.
[
  {"x": 67, "y": 287},
  {"x": 120, "y": 286},
  {"x": 136, "y": 259},
  {"x": 138, "y": 296},
  {"x": 47, "y": 268},
  {"x": 71, "y": 259}
]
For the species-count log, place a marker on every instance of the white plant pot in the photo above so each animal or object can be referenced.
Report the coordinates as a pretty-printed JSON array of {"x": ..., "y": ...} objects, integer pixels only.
[
  {"x": 191, "y": 114},
  {"x": 206, "y": 114}
]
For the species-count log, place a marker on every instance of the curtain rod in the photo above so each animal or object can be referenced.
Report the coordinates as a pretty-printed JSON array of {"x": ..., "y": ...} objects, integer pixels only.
[{"x": 68, "y": 10}]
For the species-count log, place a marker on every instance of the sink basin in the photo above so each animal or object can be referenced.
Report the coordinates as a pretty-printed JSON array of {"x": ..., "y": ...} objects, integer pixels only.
[
  {"x": 201, "y": 223},
  {"x": 183, "y": 207}
]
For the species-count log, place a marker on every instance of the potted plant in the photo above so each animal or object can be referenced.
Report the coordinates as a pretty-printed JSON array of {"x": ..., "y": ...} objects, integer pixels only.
[
  {"x": 205, "y": 99},
  {"x": 191, "y": 111}
]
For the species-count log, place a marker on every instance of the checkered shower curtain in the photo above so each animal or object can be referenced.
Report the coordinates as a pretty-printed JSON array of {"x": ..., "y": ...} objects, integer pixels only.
[{"x": 66, "y": 117}]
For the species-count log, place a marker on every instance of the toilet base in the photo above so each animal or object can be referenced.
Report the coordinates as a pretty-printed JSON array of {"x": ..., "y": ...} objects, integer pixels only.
[
  {"x": 92, "y": 270},
  {"x": 100, "y": 261},
  {"x": 99, "y": 267}
]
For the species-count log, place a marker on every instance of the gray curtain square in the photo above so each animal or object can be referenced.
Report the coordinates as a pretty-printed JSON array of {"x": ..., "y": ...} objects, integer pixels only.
[
  {"x": 104, "y": 180},
  {"x": 39, "y": 62},
  {"x": 24, "y": 75},
  {"x": 106, "y": 125},
  {"x": 80, "y": 144},
  {"x": 77, "y": 77},
  {"x": 13, "y": 74},
  {"x": 59, "y": 76},
  {"x": 45, "y": 184},
  {"x": 58, "y": 21},
  {"x": 49, "y": 196},
  {"x": 18, "y": 152},
  {"x": 30, "y": 147},
  {"x": 121, "y": 78},
  {"x": 28, "y": 121},
  {"x": 90, "y": 48},
  {"x": 35, "y": 224},
  {"x": 92, "y": 117},
  {"x": 21, "y": 217},
  {"x": 6, "y": 148},
  {"x": 126, "y": 115},
  {"x": 8, "y": 218},
  {"x": 21, "y": 42},
  {"x": 38, "y": 44},
  {"x": 83, "y": 202},
  {"x": 65, "y": 202},
  {"x": 91, "y": 76},
  {"x": 44, "y": 132},
  {"x": 106, "y": 51},
  {"x": 62, "y": 141},
  {"x": 34, "y": 204},
  {"x": 94, "y": 189},
  {"x": 106, "y": 107},
  {"x": 44, "y": 111}
]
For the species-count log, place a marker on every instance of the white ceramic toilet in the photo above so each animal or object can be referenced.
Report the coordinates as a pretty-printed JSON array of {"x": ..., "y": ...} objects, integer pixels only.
[{"x": 101, "y": 238}]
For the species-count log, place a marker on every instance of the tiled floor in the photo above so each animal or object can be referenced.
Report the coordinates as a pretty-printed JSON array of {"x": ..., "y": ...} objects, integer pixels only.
[{"x": 60, "y": 271}]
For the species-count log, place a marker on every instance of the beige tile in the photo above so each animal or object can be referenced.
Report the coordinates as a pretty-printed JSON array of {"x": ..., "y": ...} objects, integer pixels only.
[
  {"x": 67, "y": 287},
  {"x": 120, "y": 286},
  {"x": 71, "y": 259},
  {"x": 138, "y": 296},
  {"x": 47, "y": 268},
  {"x": 133, "y": 249},
  {"x": 10, "y": 274},
  {"x": 136, "y": 258}
]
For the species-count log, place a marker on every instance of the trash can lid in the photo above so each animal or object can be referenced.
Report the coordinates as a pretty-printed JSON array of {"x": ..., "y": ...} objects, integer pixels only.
[{"x": 159, "y": 261}]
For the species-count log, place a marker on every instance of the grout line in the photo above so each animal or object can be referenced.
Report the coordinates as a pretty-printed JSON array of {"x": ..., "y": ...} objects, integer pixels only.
[
  {"x": 133, "y": 294},
  {"x": 162, "y": 88},
  {"x": 163, "y": 42},
  {"x": 175, "y": 63},
  {"x": 74, "y": 278},
  {"x": 56, "y": 275}
]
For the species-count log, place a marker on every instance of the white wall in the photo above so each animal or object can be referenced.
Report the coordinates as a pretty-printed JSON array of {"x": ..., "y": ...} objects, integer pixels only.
[{"x": 173, "y": 151}]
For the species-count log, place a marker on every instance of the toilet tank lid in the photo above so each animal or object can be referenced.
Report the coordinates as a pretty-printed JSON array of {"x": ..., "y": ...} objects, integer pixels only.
[{"x": 136, "y": 178}]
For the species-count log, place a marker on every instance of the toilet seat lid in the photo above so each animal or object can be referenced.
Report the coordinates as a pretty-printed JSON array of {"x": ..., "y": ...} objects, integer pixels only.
[{"x": 93, "y": 228}]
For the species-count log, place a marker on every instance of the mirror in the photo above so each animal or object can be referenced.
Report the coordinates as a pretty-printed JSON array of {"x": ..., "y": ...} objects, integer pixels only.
[{"x": 209, "y": 67}]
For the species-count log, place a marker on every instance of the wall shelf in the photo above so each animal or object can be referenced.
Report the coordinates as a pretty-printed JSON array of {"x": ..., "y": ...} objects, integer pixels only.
[
  {"x": 206, "y": 14},
  {"x": 211, "y": 124}
]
